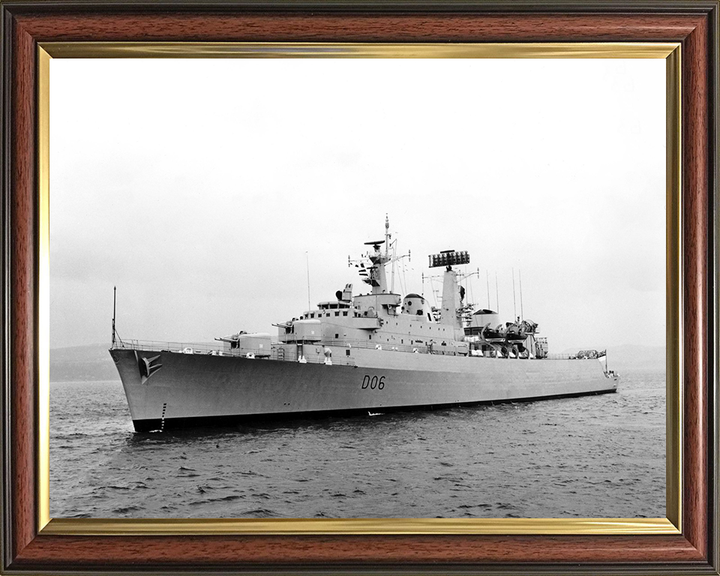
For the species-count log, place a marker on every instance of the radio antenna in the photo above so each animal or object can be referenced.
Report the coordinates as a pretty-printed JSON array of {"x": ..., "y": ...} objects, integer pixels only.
[
  {"x": 497, "y": 294},
  {"x": 514, "y": 305},
  {"x": 487, "y": 279},
  {"x": 307, "y": 267},
  {"x": 522, "y": 314}
]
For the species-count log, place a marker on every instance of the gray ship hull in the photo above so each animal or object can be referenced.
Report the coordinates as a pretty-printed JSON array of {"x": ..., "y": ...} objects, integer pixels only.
[{"x": 168, "y": 389}]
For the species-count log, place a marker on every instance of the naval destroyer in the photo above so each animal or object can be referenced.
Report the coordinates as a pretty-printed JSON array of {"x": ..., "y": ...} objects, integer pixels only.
[{"x": 366, "y": 353}]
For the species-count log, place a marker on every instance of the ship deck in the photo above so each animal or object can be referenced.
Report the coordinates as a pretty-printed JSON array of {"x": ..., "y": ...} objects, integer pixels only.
[{"x": 279, "y": 349}]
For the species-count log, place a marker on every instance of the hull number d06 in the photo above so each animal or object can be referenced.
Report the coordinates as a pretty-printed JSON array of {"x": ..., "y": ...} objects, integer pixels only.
[{"x": 373, "y": 382}]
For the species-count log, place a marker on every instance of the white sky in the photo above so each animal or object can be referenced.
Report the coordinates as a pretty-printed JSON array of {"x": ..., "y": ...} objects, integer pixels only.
[{"x": 198, "y": 186}]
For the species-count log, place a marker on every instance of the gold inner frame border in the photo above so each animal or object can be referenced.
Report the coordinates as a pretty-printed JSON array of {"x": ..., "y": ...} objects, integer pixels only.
[{"x": 671, "y": 52}]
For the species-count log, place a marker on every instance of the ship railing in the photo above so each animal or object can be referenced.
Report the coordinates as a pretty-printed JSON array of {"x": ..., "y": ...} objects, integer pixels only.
[
  {"x": 424, "y": 348},
  {"x": 559, "y": 356},
  {"x": 365, "y": 344},
  {"x": 313, "y": 352},
  {"x": 437, "y": 348},
  {"x": 183, "y": 347},
  {"x": 281, "y": 353}
]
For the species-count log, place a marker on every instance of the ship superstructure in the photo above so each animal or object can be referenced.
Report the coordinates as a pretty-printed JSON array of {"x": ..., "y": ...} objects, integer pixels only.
[{"x": 367, "y": 352}]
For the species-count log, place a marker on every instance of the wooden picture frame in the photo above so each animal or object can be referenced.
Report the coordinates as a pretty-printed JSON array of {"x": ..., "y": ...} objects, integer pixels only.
[{"x": 31, "y": 545}]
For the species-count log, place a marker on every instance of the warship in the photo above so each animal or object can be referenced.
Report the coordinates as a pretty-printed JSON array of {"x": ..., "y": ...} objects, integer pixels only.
[{"x": 367, "y": 353}]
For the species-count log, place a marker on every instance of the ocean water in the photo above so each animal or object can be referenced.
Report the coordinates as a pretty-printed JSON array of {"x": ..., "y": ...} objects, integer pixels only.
[{"x": 596, "y": 456}]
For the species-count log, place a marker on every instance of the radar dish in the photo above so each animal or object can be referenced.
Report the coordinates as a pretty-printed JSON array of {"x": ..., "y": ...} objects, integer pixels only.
[{"x": 377, "y": 242}]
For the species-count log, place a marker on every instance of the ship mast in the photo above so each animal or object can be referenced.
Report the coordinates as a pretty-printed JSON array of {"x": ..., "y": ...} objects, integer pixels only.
[
  {"x": 450, "y": 311},
  {"x": 113, "y": 317},
  {"x": 377, "y": 278},
  {"x": 374, "y": 274}
]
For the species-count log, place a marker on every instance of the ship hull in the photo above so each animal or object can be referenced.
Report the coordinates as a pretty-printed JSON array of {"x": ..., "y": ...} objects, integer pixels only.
[{"x": 168, "y": 389}]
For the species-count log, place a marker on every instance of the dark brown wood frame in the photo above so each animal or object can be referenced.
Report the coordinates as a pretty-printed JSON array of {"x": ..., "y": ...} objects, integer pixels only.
[{"x": 25, "y": 23}]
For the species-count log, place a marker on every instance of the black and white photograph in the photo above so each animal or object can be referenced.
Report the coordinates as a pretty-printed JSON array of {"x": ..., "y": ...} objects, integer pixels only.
[{"x": 357, "y": 288}]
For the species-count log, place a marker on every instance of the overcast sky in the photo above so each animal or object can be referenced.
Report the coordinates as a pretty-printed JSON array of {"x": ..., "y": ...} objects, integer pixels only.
[{"x": 201, "y": 188}]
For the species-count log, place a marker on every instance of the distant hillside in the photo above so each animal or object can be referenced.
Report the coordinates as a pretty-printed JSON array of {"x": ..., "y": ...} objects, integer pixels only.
[
  {"x": 634, "y": 356},
  {"x": 82, "y": 363},
  {"x": 637, "y": 356}
]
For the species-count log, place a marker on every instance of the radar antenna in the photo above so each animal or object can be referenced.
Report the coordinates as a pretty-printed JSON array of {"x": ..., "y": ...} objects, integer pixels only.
[
  {"x": 449, "y": 258},
  {"x": 374, "y": 243}
]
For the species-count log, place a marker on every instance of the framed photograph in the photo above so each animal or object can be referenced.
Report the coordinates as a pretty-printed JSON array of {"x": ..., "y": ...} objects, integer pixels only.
[{"x": 384, "y": 287}]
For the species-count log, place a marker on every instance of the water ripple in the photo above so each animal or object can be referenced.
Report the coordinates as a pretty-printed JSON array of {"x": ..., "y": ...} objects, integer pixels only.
[{"x": 600, "y": 456}]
